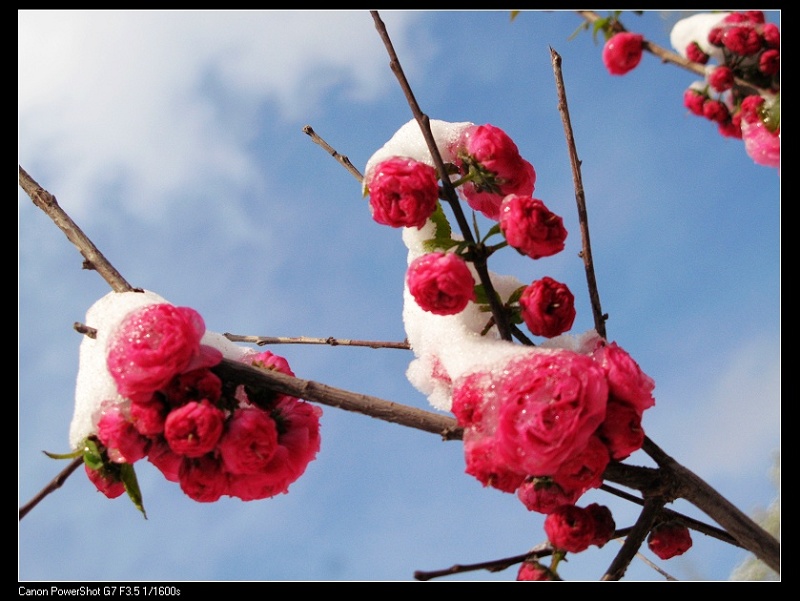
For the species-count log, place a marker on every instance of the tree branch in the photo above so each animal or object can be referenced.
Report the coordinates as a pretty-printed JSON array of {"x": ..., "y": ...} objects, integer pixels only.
[
  {"x": 500, "y": 316},
  {"x": 580, "y": 198}
]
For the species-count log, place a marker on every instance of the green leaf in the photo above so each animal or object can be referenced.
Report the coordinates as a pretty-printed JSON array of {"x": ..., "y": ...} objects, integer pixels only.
[
  {"x": 72, "y": 455},
  {"x": 515, "y": 296},
  {"x": 495, "y": 229},
  {"x": 443, "y": 233},
  {"x": 92, "y": 455},
  {"x": 443, "y": 229},
  {"x": 128, "y": 477}
]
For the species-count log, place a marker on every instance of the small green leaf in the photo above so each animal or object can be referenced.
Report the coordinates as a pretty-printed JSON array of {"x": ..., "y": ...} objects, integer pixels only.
[
  {"x": 72, "y": 455},
  {"x": 92, "y": 455},
  {"x": 128, "y": 477},
  {"x": 515, "y": 296},
  {"x": 439, "y": 219},
  {"x": 495, "y": 229}
]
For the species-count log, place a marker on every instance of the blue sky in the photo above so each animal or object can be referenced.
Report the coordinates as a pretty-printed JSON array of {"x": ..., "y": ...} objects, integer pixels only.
[{"x": 174, "y": 139}]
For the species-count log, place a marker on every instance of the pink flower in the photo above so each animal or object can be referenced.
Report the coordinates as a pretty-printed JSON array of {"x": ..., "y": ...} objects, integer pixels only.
[
  {"x": 604, "y": 525},
  {"x": 194, "y": 429},
  {"x": 441, "y": 283},
  {"x": 769, "y": 63},
  {"x": 695, "y": 53},
  {"x": 550, "y": 405},
  {"x": 533, "y": 571},
  {"x": 148, "y": 418},
  {"x": 121, "y": 439},
  {"x": 714, "y": 110},
  {"x": 485, "y": 465},
  {"x": 694, "y": 101},
  {"x": 621, "y": 431},
  {"x": 622, "y": 52},
  {"x": 548, "y": 307},
  {"x": 761, "y": 144},
  {"x": 298, "y": 433},
  {"x": 626, "y": 380},
  {"x": 742, "y": 40},
  {"x": 203, "y": 479},
  {"x": 249, "y": 441},
  {"x": 772, "y": 35},
  {"x": 403, "y": 192},
  {"x": 544, "y": 495},
  {"x": 721, "y": 78},
  {"x": 669, "y": 540},
  {"x": 491, "y": 158},
  {"x": 194, "y": 385},
  {"x": 167, "y": 462},
  {"x": 570, "y": 528},
  {"x": 153, "y": 345},
  {"x": 105, "y": 481},
  {"x": 530, "y": 227},
  {"x": 585, "y": 469}
]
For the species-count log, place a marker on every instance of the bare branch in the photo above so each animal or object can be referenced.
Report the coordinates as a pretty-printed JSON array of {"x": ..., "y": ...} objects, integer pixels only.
[
  {"x": 499, "y": 313},
  {"x": 580, "y": 198},
  {"x": 94, "y": 258},
  {"x": 330, "y": 340},
  {"x": 343, "y": 160}
]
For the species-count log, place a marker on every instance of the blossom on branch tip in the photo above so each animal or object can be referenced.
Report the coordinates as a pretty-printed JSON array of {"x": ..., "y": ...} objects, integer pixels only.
[
  {"x": 669, "y": 540},
  {"x": 153, "y": 345},
  {"x": 573, "y": 529},
  {"x": 547, "y": 307},
  {"x": 402, "y": 192},
  {"x": 622, "y": 52},
  {"x": 530, "y": 227},
  {"x": 550, "y": 405},
  {"x": 441, "y": 283},
  {"x": 491, "y": 161}
]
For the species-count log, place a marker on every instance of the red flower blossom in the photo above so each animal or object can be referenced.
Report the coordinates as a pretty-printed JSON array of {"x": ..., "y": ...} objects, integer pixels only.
[
  {"x": 622, "y": 52},
  {"x": 194, "y": 429},
  {"x": 249, "y": 441},
  {"x": 530, "y": 227},
  {"x": 492, "y": 159},
  {"x": 441, "y": 283},
  {"x": 153, "y": 345},
  {"x": 549, "y": 406},
  {"x": 669, "y": 539},
  {"x": 403, "y": 192},
  {"x": 548, "y": 307}
]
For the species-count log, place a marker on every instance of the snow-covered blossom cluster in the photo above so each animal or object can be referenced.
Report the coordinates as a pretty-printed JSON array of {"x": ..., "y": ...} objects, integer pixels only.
[
  {"x": 147, "y": 389},
  {"x": 741, "y": 90},
  {"x": 540, "y": 421}
]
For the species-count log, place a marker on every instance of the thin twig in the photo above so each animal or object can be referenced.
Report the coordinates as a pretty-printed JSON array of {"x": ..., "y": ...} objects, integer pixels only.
[
  {"x": 580, "y": 197},
  {"x": 635, "y": 538},
  {"x": 436, "y": 423},
  {"x": 500, "y": 316},
  {"x": 343, "y": 160},
  {"x": 54, "y": 485},
  {"x": 94, "y": 259},
  {"x": 496, "y": 565},
  {"x": 331, "y": 341}
]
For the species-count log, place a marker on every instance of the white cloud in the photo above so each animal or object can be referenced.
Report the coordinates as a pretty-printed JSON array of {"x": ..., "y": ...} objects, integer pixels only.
[{"x": 154, "y": 102}]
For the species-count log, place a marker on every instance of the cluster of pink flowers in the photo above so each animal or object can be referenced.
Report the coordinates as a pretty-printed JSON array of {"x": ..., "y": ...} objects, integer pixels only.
[
  {"x": 212, "y": 439},
  {"x": 549, "y": 426},
  {"x": 496, "y": 181},
  {"x": 739, "y": 93}
]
